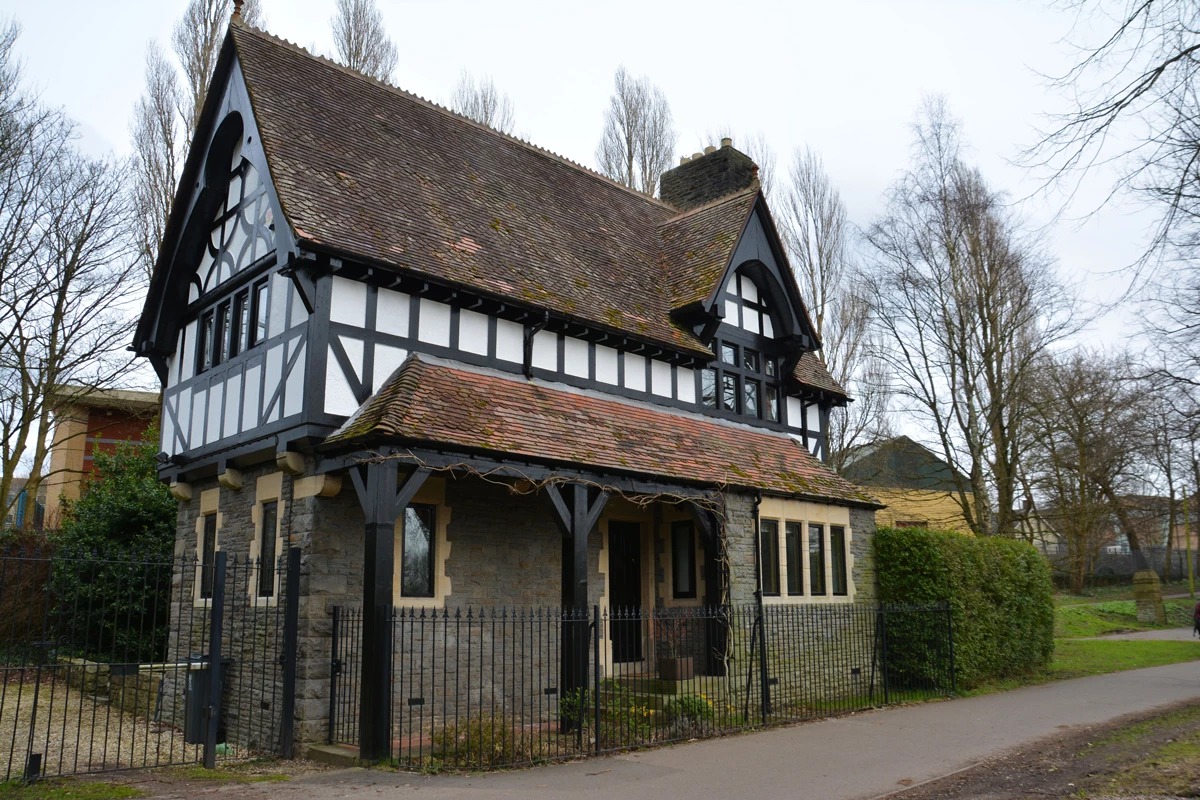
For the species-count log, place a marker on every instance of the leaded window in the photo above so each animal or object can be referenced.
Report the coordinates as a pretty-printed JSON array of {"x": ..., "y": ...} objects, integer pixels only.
[
  {"x": 744, "y": 378},
  {"x": 769, "y": 556},
  {"x": 241, "y": 231},
  {"x": 417, "y": 553}
]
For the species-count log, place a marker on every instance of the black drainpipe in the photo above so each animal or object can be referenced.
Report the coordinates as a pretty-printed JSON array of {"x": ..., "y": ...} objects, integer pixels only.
[{"x": 530, "y": 332}]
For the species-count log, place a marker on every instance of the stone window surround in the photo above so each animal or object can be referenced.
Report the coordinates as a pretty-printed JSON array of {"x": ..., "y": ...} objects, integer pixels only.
[
  {"x": 784, "y": 511},
  {"x": 267, "y": 488},
  {"x": 210, "y": 500},
  {"x": 432, "y": 492}
]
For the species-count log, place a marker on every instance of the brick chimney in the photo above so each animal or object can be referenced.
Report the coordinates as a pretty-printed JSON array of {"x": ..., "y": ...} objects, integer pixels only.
[{"x": 707, "y": 176}]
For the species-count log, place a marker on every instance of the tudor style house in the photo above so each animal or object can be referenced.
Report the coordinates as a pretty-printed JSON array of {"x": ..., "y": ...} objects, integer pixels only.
[{"x": 457, "y": 370}]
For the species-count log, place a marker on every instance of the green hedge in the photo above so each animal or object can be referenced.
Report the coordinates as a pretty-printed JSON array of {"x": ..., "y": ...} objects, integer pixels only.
[{"x": 1000, "y": 593}]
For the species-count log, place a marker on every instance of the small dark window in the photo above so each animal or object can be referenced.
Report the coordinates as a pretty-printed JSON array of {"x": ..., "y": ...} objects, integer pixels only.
[
  {"x": 729, "y": 354},
  {"x": 240, "y": 324},
  {"x": 750, "y": 391},
  {"x": 837, "y": 557},
  {"x": 793, "y": 538},
  {"x": 770, "y": 367},
  {"x": 729, "y": 392},
  {"x": 259, "y": 313},
  {"x": 750, "y": 360},
  {"x": 708, "y": 388},
  {"x": 683, "y": 559},
  {"x": 769, "y": 556},
  {"x": 204, "y": 343},
  {"x": 418, "y": 551},
  {"x": 266, "y": 549},
  {"x": 816, "y": 559},
  {"x": 208, "y": 555},
  {"x": 772, "y": 404},
  {"x": 221, "y": 334}
]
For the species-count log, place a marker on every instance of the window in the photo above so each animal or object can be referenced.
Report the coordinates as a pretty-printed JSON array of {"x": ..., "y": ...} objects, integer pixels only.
[
  {"x": 259, "y": 311},
  {"x": 683, "y": 559},
  {"x": 729, "y": 354},
  {"x": 208, "y": 556},
  {"x": 708, "y": 387},
  {"x": 204, "y": 343},
  {"x": 793, "y": 535},
  {"x": 266, "y": 548},
  {"x": 837, "y": 557},
  {"x": 221, "y": 334},
  {"x": 750, "y": 397},
  {"x": 745, "y": 376},
  {"x": 772, "y": 407},
  {"x": 816, "y": 559},
  {"x": 240, "y": 324},
  {"x": 769, "y": 556},
  {"x": 729, "y": 392},
  {"x": 750, "y": 361},
  {"x": 417, "y": 551}
]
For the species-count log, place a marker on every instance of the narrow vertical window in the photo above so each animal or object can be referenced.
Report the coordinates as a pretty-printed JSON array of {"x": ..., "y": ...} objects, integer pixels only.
[
  {"x": 239, "y": 323},
  {"x": 769, "y": 556},
  {"x": 683, "y": 559},
  {"x": 208, "y": 555},
  {"x": 729, "y": 354},
  {"x": 729, "y": 392},
  {"x": 204, "y": 343},
  {"x": 417, "y": 552},
  {"x": 259, "y": 313},
  {"x": 793, "y": 541},
  {"x": 816, "y": 559},
  {"x": 266, "y": 549},
  {"x": 708, "y": 387},
  {"x": 750, "y": 359},
  {"x": 750, "y": 397},
  {"x": 221, "y": 334},
  {"x": 772, "y": 406},
  {"x": 837, "y": 557}
]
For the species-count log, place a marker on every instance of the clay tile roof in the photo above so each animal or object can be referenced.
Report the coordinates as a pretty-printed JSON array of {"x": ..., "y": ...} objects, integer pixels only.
[
  {"x": 366, "y": 170},
  {"x": 426, "y": 401},
  {"x": 699, "y": 244},
  {"x": 811, "y": 371}
]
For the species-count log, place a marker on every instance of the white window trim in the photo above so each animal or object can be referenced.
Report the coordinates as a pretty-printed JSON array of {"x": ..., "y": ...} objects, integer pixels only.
[{"x": 784, "y": 511}]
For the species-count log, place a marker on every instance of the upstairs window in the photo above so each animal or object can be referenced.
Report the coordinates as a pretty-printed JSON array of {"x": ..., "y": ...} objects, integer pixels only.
[
  {"x": 744, "y": 381},
  {"x": 233, "y": 327}
]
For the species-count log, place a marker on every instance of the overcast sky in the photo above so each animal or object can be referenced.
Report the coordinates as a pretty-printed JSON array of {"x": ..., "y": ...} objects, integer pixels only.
[{"x": 844, "y": 77}]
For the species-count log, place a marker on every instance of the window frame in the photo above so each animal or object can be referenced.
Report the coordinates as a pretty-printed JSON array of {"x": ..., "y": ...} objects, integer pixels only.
[
  {"x": 793, "y": 540},
  {"x": 815, "y": 573},
  {"x": 683, "y": 530},
  {"x": 838, "y": 559},
  {"x": 266, "y": 566},
  {"x": 432, "y": 510},
  {"x": 764, "y": 561},
  {"x": 207, "y": 556},
  {"x": 743, "y": 361}
]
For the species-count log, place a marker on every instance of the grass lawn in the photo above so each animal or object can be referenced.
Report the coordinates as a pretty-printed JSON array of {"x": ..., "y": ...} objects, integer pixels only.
[
  {"x": 67, "y": 790},
  {"x": 1101, "y": 594},
  {"x": 1115, "y": 616}
]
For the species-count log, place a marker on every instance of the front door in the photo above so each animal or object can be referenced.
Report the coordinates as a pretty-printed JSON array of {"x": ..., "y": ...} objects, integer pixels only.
[{"x": 625, "y": 590}]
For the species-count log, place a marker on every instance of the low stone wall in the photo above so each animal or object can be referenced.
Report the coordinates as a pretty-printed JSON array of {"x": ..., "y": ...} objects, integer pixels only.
[{"x": 134, "y": 688}]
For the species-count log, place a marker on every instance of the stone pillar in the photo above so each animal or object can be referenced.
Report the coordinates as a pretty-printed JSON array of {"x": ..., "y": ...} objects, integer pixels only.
[{"x": 1147, "y": 593}]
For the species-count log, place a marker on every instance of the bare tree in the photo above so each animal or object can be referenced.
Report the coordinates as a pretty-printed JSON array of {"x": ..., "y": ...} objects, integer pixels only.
[
  {"x": 361, "y": 41},
  {"x": 197, "y": 42},
  {"x": 639, "y": 138},
  {"x": 156, "y": 154},
  {"x": 67, "y": 274},
  {"x": 481, "y": 101},
  {"x": 966, "y": 303},
  {"x": 817, "y": 231}
]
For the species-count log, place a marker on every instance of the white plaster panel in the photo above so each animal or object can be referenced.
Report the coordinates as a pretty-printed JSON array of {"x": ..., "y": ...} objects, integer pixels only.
[
  {"x": 339, "y": 397},
  {"x": 750, "y": 320},
  {"x": 606, "y": 364},
  {"x": 387, "y": 361},
  {"x": 794, "y": 410},
  {"x": 279, "y": 291},
  {"x": 250, "y": 402},
  {"x": 434, "y": 323},
  {"x": 348, "y": 302},
  {"x": 660, "y": 378},
  {"x": 686, "y": 382},
  {"x": 189, "y": 351},
  {"x": 233, "y": 393},
  {"x": 183, "y": 413},
  {"x": 215, "y": 393},
  {"x": 472, "y": 332},
  {"x": 272, "y": 376},
  {"x": 293, "y": 393},
  {"x": 731, "y": 312},
  {"x": 172, "y": 370},
  {"x": 167, "y": 443},
  {"x": 575, "y": 357},
  {"x": 197, "y": 437},
  {"x": 510, "y": 341},
  {"x": 768, "y": 328},
  {"x": 391, "y": 313},
  {"x": 635, "y": 372},
  {"x": 354, "y": 351},
  {"x": 812, "y": 418},
  {"x": 299, "y": 313},
  {"x": 749, "y": 290},
  {"x": 545, "y": 350}
]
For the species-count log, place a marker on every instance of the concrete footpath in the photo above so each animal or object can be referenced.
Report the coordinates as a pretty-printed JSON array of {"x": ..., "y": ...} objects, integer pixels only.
[{"x": 862, "y": 756}]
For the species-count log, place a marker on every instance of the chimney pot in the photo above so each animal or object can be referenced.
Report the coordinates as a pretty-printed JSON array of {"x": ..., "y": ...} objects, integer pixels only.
[
  {"x": 726, "y": 141},
  {"x": 709, "y": 149},
  {"x": 683, "y": 160},
  {"x": 697, "y": 155}
]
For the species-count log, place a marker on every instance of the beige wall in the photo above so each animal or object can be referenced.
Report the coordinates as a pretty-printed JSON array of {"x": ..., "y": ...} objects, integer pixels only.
[
  {"x": 66, "y": 460},
  {"x": 939, "y": 510}
]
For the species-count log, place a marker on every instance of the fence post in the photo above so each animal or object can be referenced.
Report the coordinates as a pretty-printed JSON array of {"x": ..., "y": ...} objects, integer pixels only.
[
  {"x": 762, "y": 656},
  {"x": 335, "y": 670},
  {"x": 596, "y": 674},
  {"x": 291, "y": 636},
  {"x": 884, "y": 667},
  {"x": 950, "y": 634},
  {"x": 217, "y": 621}
]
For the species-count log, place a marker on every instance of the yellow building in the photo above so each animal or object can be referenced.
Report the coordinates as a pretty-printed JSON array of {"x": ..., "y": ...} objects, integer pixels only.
[{"x": 917, "y": 486}]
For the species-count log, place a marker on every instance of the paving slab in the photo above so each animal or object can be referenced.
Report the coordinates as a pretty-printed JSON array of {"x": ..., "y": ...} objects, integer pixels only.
[{"x": 868, "y": 755}]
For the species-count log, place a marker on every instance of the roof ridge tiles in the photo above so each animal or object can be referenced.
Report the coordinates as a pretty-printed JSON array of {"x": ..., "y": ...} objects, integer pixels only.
[
  {"x": 301, "y": 50},
  {"x": 755, "y": 188}
]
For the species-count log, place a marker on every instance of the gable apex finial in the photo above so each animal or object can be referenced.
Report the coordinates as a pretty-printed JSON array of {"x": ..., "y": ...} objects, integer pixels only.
[{"x": 237, "y": 10}]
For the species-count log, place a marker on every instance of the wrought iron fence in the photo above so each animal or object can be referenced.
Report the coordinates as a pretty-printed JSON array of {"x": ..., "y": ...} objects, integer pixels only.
[
  {"x": 502, "y": 687},
  {"x": 106, "y": 661}
]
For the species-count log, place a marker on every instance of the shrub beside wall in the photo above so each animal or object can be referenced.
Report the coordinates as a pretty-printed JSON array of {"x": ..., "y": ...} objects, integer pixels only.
[{"x": 1000, "y": 593}]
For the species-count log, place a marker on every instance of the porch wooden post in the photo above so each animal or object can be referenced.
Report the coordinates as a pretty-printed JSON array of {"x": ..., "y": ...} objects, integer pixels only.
[{"x": 382, "y": 505}]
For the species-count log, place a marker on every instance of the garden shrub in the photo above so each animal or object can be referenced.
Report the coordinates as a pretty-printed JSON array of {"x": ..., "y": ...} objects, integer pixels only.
[{"x": 999, "y": 590}]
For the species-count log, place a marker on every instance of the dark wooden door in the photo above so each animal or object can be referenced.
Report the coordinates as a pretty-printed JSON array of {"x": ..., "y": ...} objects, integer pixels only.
[{"x": 625, "y": 590}]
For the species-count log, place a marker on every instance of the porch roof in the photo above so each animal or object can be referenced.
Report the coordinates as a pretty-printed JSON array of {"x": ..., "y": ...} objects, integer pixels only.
[{"x": 431, "y": 402}]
